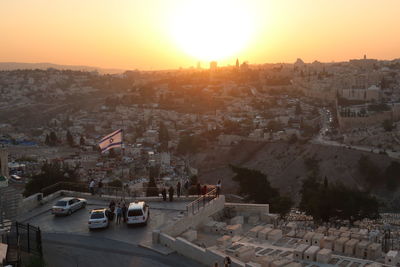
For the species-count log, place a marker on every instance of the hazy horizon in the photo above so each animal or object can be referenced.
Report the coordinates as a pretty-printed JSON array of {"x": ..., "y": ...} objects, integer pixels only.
[
  {"x": 204, "y": 66},
  {"x": 160, "y": 35}
]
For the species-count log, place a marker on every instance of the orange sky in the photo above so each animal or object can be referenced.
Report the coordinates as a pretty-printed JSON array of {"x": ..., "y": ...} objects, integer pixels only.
[{"x": 161, "y": 34}]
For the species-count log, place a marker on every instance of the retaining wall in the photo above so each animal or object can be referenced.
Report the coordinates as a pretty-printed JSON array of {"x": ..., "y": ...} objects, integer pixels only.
[
  {"x": 206, "y": 256},
  {"x": 32, "y": 202},
  {"x": 249, "y": 209},
  {"x": 176, "y": 228}
]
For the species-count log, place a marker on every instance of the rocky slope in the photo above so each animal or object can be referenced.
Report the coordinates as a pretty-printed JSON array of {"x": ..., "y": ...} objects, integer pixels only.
[{"x": 283, "y": 164}]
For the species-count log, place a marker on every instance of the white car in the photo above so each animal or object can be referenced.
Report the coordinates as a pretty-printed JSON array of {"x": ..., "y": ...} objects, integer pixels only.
[
  {"x": 138, "y": 212},
  {"x": 98, "y": 219},
  {"x": 67, "y": 205},
  {"x": 15, "y": 178}
]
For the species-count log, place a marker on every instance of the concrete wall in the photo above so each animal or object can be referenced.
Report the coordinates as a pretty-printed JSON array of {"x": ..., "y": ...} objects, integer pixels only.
[
  {"x": 176, "y": 228},
  {"x": 249, "y": 209},
  {"x": 346, "y": 123},
  {"x": 206, "y": 256},
  {"x": 32, "y": 202}
]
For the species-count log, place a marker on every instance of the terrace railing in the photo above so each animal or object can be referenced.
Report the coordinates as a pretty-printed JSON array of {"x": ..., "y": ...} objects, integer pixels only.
[
  {"x": 105, "y": 190},
  {"x": 201, "y": 202}
]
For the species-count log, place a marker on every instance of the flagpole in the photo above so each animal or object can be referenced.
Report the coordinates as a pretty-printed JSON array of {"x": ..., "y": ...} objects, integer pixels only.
[
  {"x": 122, "y": 153},
  {"x": 122, "y": 160}
]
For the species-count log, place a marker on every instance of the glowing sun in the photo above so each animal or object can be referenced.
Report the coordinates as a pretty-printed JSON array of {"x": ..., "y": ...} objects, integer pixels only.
[{"x": 212, "y": 29}]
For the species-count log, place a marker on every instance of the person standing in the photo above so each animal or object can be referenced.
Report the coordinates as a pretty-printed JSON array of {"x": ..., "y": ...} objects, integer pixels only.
[
  {"x": 100, "y": 187},
  {"x": 171, "y": 193},
  {"x": 218, "y": 187},
  {"x": 119, "y": 213},
  {"x": 178, "y": 189},
  {"x": 164, "y": 194},
  {"x": 198, "y": 189},
  {"x": 91, "y": 186},
  {"x": 204, "y": 192},
  {"x": 227, "y": 262},
  {"x": 112, "y": 209},
  {"x": 124, "y": 211},
  {"x": 186, "y": 186}
]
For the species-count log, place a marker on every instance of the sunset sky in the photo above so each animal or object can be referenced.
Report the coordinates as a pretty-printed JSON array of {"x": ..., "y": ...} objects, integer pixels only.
[{"x": 163, "y": 34}]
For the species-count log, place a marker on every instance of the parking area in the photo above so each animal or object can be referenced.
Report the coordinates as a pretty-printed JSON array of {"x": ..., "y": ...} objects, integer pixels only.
[
  {"x": 67, "y": 240},
  {"x": 77, "y": 223}
]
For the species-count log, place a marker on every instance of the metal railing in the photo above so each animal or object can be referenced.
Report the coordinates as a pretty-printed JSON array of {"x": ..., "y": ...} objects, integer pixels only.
[
  {"x": 105, "y": 190},
  {"x": 201, "y": 202},
  {"x": 25, "y": 238}
]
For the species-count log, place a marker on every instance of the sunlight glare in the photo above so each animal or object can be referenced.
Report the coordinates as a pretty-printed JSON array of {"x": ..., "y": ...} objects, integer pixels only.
[{"x": 212, "y": 30}]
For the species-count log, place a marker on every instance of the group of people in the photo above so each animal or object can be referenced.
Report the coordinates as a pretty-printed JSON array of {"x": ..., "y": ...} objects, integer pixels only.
[
  {"x": 93, "y": 185},
  {"x": 227, "y": 262},
  {"x": 201, "y": 190},
  {"x": 119, "y": 209}
]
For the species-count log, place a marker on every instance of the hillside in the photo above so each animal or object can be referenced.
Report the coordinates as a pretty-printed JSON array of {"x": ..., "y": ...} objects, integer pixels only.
[
  {"x": 284, "y": 164},
  {"x": 31, "y": 66}
]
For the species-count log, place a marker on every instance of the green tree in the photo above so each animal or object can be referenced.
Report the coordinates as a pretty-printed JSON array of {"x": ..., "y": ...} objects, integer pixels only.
[
  {"x": 312, "y": 165},
  {"x": 47, "y": 141},
  {"x": 152, "y": 189},
  {"x": 293, "y": 139},
  {"x": 115, "y": 183},
  {"x": 392, "y": 175},
  {"x": 70, "y": 139},
  {"x": 254, "y": 186},
  {"x": 82, "y": 141},
  {"x": 51, "y": 173},
  {"x": 53, "y": 140},
  {"x": 163, "y": 137},
  {"x": 283, "y": 204},
  {"x": 329, "y": 202},
  {"x": 274, "y": 126},
  {"x": 188, "y": 144},
  {"x": 298, "y": 109},
  {"x": 388, "y": 125},
  {"x": 111, "y": 153},
  {"x": 194, "y": 180},
  {"x": 369, "y": 170}
]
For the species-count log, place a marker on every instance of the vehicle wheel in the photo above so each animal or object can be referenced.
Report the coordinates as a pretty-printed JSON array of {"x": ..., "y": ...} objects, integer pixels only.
[
  {"x": 69, "y": 212},
  {"x": 83, "y": 205}
]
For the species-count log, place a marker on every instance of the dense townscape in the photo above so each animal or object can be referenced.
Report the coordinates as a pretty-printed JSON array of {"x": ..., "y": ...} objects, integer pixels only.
[
  {"x": 289, "y": 137},
  {"x": 167, "y": 117}
]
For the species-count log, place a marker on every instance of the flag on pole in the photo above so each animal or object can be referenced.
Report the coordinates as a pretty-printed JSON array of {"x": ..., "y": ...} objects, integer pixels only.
[{"x": 112, "y": 140}]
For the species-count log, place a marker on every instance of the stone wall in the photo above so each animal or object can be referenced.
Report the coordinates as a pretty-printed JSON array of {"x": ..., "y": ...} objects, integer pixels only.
[
  {"x": 206, "y": 256},
  {"x": 176, "y": 228},
  {"x": 36, "y": 200},
  {"x": 249, "y": 209},
  {"x": 346, "y": 123}
]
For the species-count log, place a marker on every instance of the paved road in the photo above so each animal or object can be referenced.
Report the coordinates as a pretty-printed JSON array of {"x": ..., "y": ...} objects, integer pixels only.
[
  {"x": 320, "y": 139},
  {"x": 135, "y": 234},
  {"x": 67, "y": 241},
  {"x": 70, "y": 250}
]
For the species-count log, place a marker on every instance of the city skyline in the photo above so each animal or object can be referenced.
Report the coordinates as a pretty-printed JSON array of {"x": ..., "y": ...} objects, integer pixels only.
[{"x": 154, "y": 35}]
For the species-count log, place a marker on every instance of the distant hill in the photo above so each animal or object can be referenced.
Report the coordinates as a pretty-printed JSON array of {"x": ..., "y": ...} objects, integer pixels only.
[
  {"x": 284, "y": 165},
  {"x": 17, "y": 65}
]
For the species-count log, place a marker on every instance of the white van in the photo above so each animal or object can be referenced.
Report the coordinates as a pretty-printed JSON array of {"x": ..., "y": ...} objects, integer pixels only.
[{"x": 138, "y": 212}]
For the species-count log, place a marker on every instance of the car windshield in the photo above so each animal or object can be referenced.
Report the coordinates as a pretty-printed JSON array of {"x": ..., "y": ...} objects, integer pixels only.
[
  {"x": 97, "y": 215},
  {"x": 136, "y": 212},
  {"x": 61, "y": 203}
]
